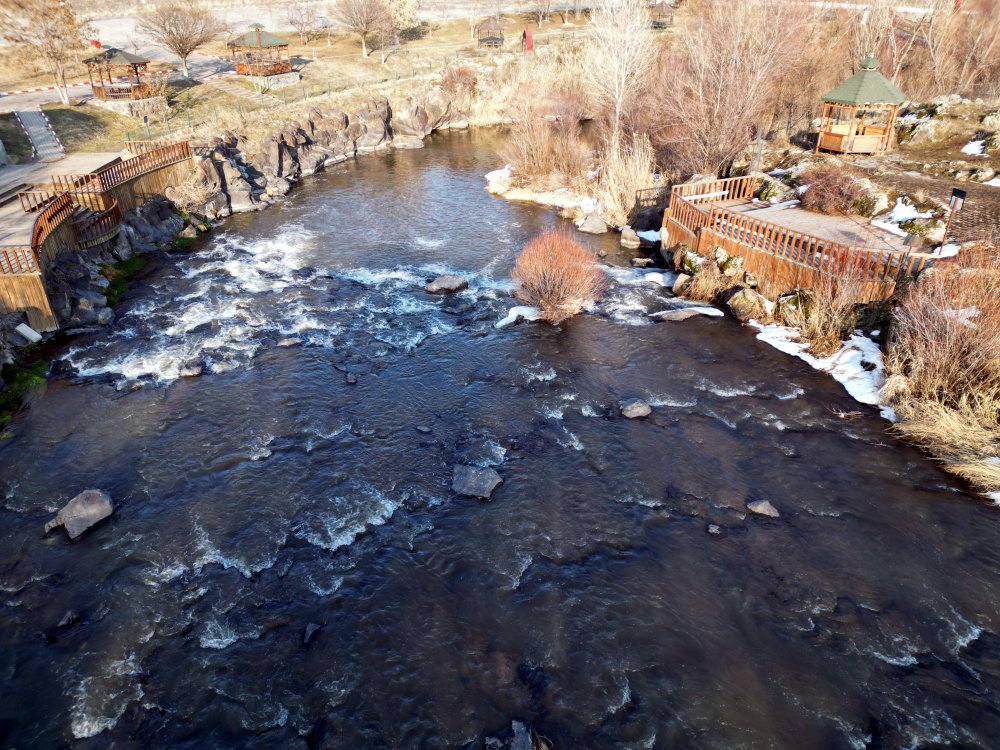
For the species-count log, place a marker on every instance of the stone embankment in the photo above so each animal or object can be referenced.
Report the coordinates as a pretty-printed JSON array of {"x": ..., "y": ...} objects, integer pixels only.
[{"x": 239, "y": 174}]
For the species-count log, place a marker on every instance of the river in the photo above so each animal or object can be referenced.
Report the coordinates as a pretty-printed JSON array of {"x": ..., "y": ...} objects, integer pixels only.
[{"x": 587, "y": 598}]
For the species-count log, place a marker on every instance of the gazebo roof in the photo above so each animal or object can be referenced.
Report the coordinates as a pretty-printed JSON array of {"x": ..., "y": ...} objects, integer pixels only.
[
  {"x": 250, "y": 39},
  {"x": 867, "y": 86},
  {"x": 490, "y": 24},
  {"x": 662, "y": 8},
  {"x": 115, "y": 56}
]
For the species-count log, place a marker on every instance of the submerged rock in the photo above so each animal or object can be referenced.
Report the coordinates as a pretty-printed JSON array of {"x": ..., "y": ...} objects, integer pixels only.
[
  {"x": 286, "y": 343},
  {"x": 683, "y": 313},
  {"x": 474, "y": 481},
  {"x": 634, "y": 408},
  {"x": 446, "y": 284},
  {"x": 763, "y": 508},
  {"x": 522, "y": 737},
  {"x": 82, "y": 512},
  {"x": 311, "y": 629},
  {"x": 642, "y": 262}
]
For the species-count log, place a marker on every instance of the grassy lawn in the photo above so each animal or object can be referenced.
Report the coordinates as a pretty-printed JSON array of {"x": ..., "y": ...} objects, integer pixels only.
[
  {"x": 14, "y": 140},
  {"x": 87, "y": 128}
]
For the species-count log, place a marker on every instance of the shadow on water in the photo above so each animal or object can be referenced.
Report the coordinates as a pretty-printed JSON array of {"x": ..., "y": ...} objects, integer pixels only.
[{"x": 587, "y": 598}]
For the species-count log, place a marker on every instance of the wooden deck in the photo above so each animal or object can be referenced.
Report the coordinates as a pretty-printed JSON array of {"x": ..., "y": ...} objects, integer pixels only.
[
  {"x": 785, "y": 246},
  {"x": 844, "y": 230}
]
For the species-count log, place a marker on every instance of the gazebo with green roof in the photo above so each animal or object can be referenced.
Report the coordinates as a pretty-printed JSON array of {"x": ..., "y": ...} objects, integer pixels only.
[
  {"x": 859, "y": 114},
  {"x": 260, "y": 53}
]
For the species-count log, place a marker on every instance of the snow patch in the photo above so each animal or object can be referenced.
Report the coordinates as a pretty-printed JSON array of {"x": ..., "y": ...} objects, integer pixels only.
[
  {"x": 650, "y": 236},
  {"x": 845, "y": 366},
  {"x": 902, "y": 211},
  {"x": 519, "y": 312},
  {"x": 974, "y": 148}
]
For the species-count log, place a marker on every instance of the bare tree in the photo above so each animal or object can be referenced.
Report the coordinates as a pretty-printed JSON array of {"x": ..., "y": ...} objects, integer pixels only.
[
  {"x": 883, "y": 31},
  {"x": 49, "y": 32},
  {"x": 962, "y": 43},
  {"x": 361, "y": 17},
  {"x": 622, "y": 54},
  {"x": 723, "y": 79},
  {"x": 180, "y": 28},
  {"x": 304, "y": 19}
]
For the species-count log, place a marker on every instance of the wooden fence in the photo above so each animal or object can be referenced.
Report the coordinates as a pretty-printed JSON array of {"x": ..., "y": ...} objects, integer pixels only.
[{"x": 775, "y": 253}]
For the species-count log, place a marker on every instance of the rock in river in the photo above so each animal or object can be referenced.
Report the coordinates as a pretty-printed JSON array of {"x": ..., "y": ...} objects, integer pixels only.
[
  {"x": 634, "y": 408},
  {"x": 446, "y": 284},
  {"x": 763, "y": 508},
  {"x": 475, "y": 481},
  {"x": 82, "y": 512}
]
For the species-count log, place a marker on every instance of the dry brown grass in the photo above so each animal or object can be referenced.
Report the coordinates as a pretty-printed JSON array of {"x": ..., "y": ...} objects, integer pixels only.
[
  {"x": 558, "y": 275},
  {"x": 626, "y": 167},
  {"x": 944, "y": 367},
  {"x": 544, "y": 152},
  {"x": 709, "y": 283},
  {"x": 829, "y": 313}
]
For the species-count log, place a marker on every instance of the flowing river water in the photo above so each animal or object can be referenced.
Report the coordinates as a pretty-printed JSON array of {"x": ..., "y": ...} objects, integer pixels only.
[{"x": 587, "y": 598}]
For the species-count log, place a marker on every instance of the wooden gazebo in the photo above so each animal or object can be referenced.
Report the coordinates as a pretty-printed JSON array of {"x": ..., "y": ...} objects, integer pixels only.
[
  {"x": 260, "y": 53},
  {"x": 105, "y": 66},
  {"x": 859, "y": 114},
  {"x": 662, "y": 15},
  {"x": 490, "y": 33}
]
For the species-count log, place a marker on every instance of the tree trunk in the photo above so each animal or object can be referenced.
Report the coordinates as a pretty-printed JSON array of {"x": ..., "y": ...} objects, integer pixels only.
[
  {"x": 60, "y": 76},
  {"x": 364, "y": 46},
  {"x": 184, "y": 66}
]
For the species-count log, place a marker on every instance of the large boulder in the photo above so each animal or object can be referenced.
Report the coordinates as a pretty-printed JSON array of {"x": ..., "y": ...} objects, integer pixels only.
[
  {"x": 593, "y": 224},
  {"x": 634, "y": 408},
  {"x": 82, "y": 512},
  {"x": 992, "y": 121},
  {"x": 446, "y": 284},
  {"x": 475, "y": 481},
  {"x": 746, "y": 304},
  {"x": 763, "y": 508},
  {"x": 629, "y": 238}
]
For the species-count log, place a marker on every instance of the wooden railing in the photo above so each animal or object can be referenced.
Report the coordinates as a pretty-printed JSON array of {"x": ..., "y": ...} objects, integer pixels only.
[
  {"x": 49, "y": 220},
  {"x": 17, "y": 260},
  {"x": 263, "y": 69},
  {"x": 731, "y": 188},
  {"x": 122, "y": 93},
  {"x": 100, "y": 227},
  {"x": 35, "y": 200},
  {"x": 115, "y": 174}
]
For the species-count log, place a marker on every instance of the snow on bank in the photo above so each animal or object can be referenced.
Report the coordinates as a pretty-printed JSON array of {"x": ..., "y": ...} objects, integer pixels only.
[
  {"x": 520, "y": 312},
  {"x": 995, "y": 182},
  {"x": 650, "y": 236},
  {"x": 498, "y": 182},
  {"x": 901, "y": 212},
  {"x": 846, "y": 366},
  {"x": 974, "y": 148}
]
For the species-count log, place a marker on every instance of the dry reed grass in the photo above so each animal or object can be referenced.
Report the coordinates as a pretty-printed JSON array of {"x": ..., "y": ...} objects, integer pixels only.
[
  {"x": 558, "y": 275},
  {"x": 944, "y": 368},
  {"x": 829, "y": 313},
  {"x": 708, "y": 284},
  {"x": 626, "y": 166}
]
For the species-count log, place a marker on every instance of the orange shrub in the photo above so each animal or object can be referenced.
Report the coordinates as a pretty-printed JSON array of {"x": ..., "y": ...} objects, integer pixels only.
[
  {"x": 830, "y": 191},
  {"x": 558, "y": 275}
]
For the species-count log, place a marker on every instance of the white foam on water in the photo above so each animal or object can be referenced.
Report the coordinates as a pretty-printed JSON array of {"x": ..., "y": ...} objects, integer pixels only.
[
  {"x": 656, "y": 400},
  {"x": 572, "y": 441},
  {"x": 640, "y": 276},
  {"x": 100, "y": 700},
  {"x": 208, "y": 554},
  {"x": 725, "y": 391},
  {"x": 219, "y": 635},
  {"x": 587, "y": 409},
  {"x": 331, "y": 530},
  {"x": 427, "y": 242},
  {"x": 538, "y": 372}
]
